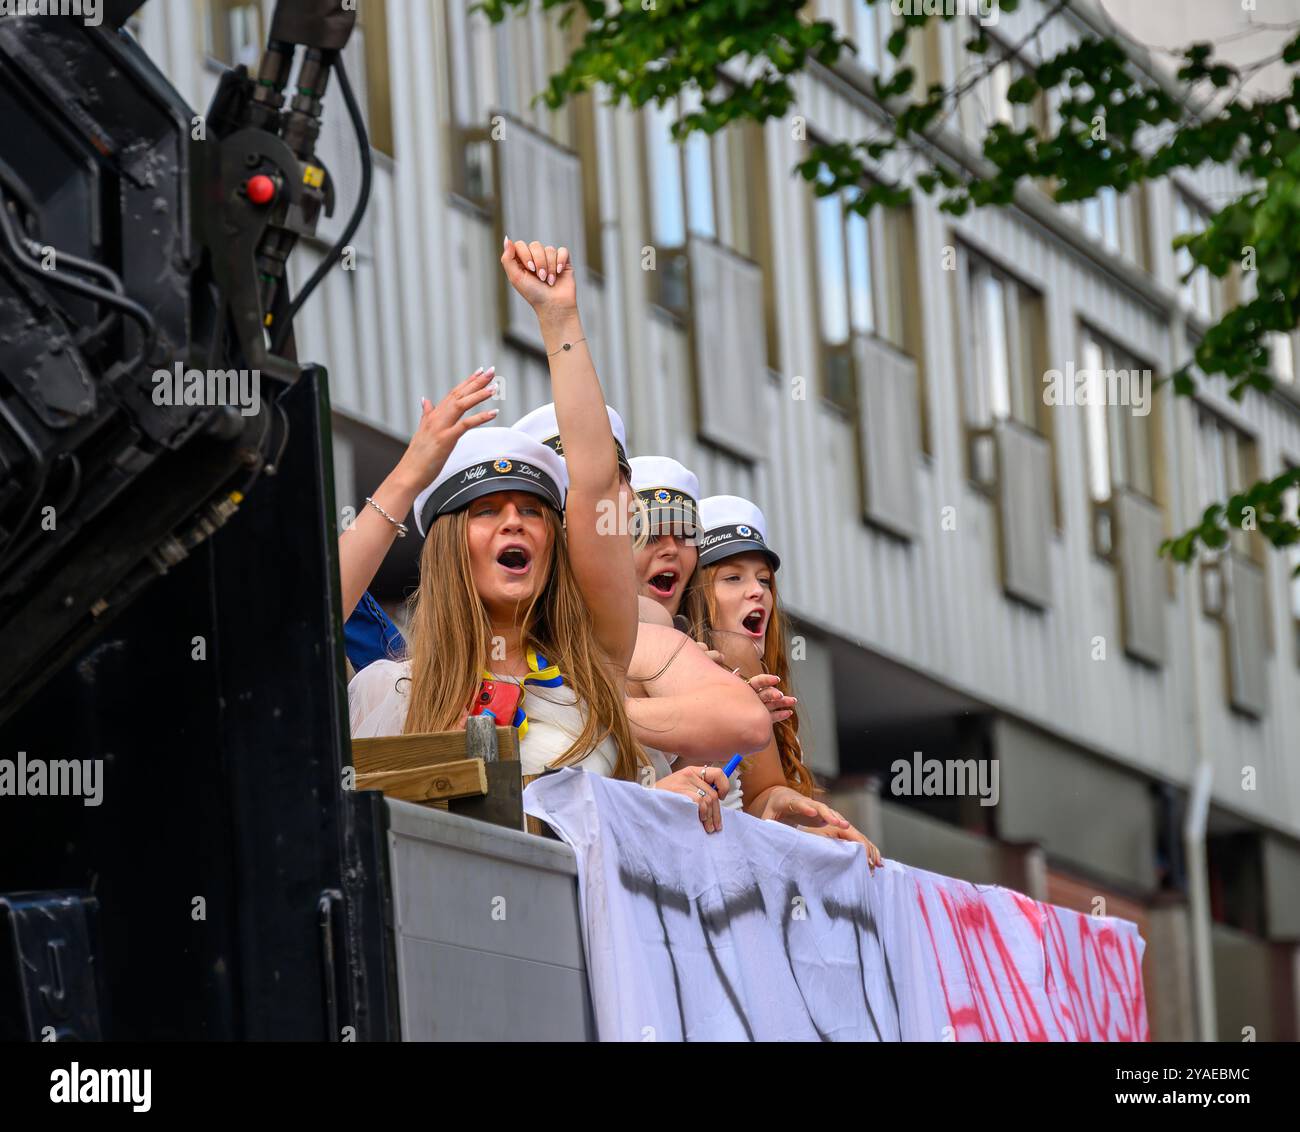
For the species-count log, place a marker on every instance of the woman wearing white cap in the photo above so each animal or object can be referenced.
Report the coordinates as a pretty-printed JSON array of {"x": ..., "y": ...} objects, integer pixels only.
[
  {"x": 732, "y": 605},
  {"x": 504, "y": 584},
  {"x": 665, "y": 560}
]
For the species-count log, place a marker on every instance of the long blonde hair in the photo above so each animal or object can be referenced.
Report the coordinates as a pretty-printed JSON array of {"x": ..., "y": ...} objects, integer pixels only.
[
  {"x": 449, "y": 643},
  {"x": 700, "y": 606}
]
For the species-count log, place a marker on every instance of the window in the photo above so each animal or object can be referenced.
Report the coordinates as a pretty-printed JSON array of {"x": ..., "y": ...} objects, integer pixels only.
[
  {"x": 1117, "y": 221},
  {"x": 987, "y": 101},
  {"x": 497, "y": 70},
  {"x": 991, "y": 96},
  {"x": 1291, "y": 512},
  {"x": 708, "y": 187},
  {"x": 1234, "y": 581},
  {"x": 871, "y": 28},
  {"x": 1282, "y": 356},
  {"x": 1200, "y": 291},
  {"x": 680, "y": 185},
  {"x": 1120, "y": 442},
  {"x": 1228, "y": 465},
  {"x": 1007, "y": 347},
  {"x": 680, "y": 181},
  {"x": 1101, "y": 216},
  {"x": 234, "y": 32},
  {"x": 372, "y": 26},
  {"x": 1291, "y": 559},
  {"x": 864, "y": 284}
]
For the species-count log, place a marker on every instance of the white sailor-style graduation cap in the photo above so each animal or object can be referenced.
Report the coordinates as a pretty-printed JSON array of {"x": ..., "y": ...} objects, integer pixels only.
[
  {"x": 487, "y": 460},
  {"x": 731, "y": 525},
  {"x": 541, "y": 424},
  {"x": 670, "y": 492}
]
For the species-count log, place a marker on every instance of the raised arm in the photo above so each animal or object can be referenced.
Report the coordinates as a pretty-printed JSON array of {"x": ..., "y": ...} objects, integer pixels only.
[
  {"x": 599, "y": 547},
  {"x": 363, "y": 545}
]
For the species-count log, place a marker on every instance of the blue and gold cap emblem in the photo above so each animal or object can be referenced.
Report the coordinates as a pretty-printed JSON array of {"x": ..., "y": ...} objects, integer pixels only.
[
  {"x": 744, "y": 532},
  {"x": 662, "y": 496},
  {"x": 503, "y": 465}
]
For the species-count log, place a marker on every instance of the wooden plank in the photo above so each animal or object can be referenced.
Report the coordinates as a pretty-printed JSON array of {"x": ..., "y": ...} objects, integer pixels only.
[
  {"x": 481, "y": 738},
  {"x": 503, "y": 804},
  {"x": 533, "y": 825},
  {"x": 441, "y": 782},
  {"x": 402, "y": 752}
]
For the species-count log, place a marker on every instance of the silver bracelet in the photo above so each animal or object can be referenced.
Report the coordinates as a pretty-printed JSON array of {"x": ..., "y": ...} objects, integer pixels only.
[
  {"x": 565, "y": 346},
  {"x": 401, "y": 527}
]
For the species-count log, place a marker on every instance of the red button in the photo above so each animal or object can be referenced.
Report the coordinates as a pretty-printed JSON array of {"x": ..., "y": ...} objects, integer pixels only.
[{"x": 260, "y": 189}]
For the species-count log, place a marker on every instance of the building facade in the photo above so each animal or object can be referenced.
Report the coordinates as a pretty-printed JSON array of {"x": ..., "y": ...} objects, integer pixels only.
[{"x": 973, "y": 568}]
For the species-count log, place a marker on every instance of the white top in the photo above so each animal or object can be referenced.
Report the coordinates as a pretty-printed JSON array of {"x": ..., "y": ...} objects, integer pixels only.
[{"x": 377, "y": 706}]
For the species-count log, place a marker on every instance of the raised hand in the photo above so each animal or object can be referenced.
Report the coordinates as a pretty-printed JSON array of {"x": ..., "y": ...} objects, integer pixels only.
[
  {"x": 542, "y": 274},
  {"x": 441, "y": 426},
  {"x": 363, "y": 546}
]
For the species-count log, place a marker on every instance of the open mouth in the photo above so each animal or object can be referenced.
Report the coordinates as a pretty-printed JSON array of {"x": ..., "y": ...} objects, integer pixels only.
[
  {"x": 663, "y": 584},
  {"x": 514, "y": 559},
  {"x": 753, "y": 622}
]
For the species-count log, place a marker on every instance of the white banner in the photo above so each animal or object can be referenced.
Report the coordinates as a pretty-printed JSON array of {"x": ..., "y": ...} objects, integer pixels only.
[{"x": 760, "y": 932}]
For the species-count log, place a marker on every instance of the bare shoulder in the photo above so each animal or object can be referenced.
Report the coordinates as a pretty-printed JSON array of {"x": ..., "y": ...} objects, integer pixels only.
[
  {"x": 650, "y": 612},
  {"x": 667, "y": 661}
]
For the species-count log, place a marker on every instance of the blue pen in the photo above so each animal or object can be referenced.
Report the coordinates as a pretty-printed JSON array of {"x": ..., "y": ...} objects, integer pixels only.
[{"x": 729, "y": 769}]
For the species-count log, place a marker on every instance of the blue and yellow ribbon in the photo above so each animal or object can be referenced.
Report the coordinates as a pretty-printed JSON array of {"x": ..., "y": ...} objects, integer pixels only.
[{"x": 540, "y": 672}]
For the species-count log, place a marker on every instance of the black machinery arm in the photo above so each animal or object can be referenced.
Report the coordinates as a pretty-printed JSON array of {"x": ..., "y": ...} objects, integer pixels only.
[{"x": 130, "y": 246}]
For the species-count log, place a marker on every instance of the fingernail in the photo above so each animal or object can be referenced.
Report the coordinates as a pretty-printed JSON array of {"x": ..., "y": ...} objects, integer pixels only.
[
  {"x": 532, "y": 266},
  {"x": 505, "y": 243},
  {"x": 490, "y": 369},
  {"x": 494, "y": 412},
  {"x": 551, "y": 280}
]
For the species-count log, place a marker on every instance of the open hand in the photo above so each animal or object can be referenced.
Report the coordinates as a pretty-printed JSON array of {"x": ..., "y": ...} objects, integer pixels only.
[
  {"x": 442, "y": 425},
  {"x": 785, "y": 804}
]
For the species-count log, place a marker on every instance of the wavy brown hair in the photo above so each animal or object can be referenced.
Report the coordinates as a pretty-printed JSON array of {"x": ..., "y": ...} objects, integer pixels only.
[
  {"x": 449, "y": 643},
  {"x": 701, "y": 609}
]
